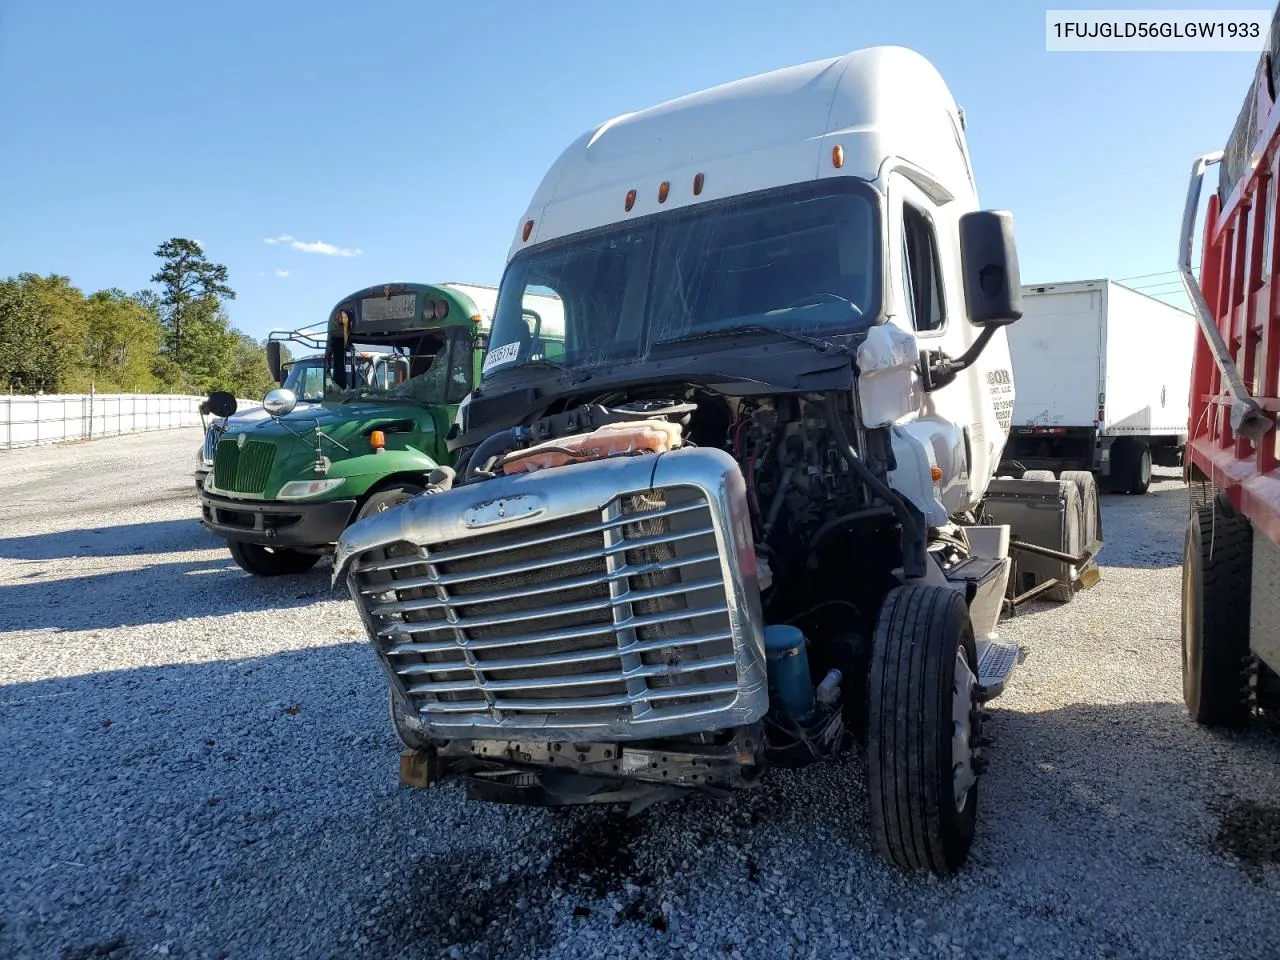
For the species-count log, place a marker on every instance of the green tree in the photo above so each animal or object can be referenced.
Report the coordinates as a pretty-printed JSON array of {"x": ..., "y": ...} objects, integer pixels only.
[
  {"x": 249, "y": 376},
  {"x": 30, "y": 356},
  {"x": 188, "y": 280},
  {"x": 121, "y": 344}
]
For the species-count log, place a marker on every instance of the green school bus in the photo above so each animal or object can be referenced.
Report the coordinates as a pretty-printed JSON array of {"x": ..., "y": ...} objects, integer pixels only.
[{"x": 288, "y": 478}]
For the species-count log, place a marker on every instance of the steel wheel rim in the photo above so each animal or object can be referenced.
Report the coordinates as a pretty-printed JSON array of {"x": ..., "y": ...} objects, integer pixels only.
[{"x": 963, "y": 776}]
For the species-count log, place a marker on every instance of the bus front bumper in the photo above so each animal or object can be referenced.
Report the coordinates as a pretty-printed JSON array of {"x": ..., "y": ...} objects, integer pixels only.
[{"x": 276, "y": 523}]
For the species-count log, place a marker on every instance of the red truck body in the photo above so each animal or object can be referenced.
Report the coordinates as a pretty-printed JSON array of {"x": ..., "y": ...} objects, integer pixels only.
[
  {"x": 1231, "y": 560},
  {"x": 1240, "y": 280}
]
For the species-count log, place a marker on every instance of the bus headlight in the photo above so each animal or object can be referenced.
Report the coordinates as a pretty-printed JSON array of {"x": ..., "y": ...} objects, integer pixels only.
[{"x": 301, "y": 489}]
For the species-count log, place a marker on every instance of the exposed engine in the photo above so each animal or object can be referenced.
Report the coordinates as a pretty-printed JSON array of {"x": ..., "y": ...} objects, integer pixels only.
[{"x": 822, "y": 519}]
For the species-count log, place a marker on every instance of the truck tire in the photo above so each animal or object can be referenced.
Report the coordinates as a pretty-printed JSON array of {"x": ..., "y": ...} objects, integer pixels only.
[
  {"x": 1130, "y": 466},
  {"x": 1217, "y": 569},
  {"x": 387, "y": 498},
  {"x": 1085, "y": 481},
  {"x": 1046, "y": 475},
  {"x": 921, "y": 781},
  {"x": 270, "y": 561}
]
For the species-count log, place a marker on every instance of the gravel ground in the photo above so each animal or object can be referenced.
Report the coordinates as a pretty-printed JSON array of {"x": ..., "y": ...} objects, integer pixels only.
[{"x": 195, "y": 763}]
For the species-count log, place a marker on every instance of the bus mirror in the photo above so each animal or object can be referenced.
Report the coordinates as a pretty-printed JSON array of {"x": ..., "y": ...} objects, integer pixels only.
[
  {"x": 220, "y": 404},
  {"x": 989, "y": 263},
  {"x": 273, "y": 360}
]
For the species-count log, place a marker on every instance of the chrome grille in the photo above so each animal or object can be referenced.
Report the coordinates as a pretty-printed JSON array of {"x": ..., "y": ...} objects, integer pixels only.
[
  {"x": 600, "y": 618},
  {"x": 246, "y": 470}
]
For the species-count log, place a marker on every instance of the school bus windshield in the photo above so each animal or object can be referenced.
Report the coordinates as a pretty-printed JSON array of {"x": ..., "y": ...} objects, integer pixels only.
[{"x": 423, "y": 367}]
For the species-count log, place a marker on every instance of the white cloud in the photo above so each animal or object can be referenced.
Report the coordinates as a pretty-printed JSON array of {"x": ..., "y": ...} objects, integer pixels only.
[
  {"x": 281, "y": 273},
  {"x": 317, "y": 246}
]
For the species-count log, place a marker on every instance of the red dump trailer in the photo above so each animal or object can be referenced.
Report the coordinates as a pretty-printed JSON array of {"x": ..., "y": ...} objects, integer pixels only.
[{"x": 1231, "y": 563}]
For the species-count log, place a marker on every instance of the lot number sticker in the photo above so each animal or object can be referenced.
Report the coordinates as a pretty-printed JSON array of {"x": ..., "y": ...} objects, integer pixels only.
[{"x": 500, "y": 355}]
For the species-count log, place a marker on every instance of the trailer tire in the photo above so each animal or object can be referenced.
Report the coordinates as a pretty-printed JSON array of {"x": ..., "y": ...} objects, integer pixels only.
[
  {"x": 1217, "y": 566},
  {"x": 1044, "y": 475},
  {"x": 270, "y": 561},
  {"x": 916, "y": 768},
  {"x": 1130, "y": 466},
  {"x": 1085, "y": 481}
]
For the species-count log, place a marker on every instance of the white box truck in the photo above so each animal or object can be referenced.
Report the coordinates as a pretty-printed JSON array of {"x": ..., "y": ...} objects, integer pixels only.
[{"x": 1102, "y": 374}]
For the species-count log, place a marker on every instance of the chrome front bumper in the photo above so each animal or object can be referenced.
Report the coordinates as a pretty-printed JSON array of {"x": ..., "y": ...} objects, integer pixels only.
[{"x": 612, "y": 600}]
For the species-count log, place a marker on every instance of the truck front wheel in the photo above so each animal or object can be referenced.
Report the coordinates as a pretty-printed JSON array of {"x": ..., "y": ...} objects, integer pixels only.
[
  {"x": 270, "y": 561},
  {"x": 1216, "y": 583},
  {"x": 922, "y": 728}
]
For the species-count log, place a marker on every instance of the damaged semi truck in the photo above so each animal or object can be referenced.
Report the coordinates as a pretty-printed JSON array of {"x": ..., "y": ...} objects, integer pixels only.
[{"x": 745, "y": 514}]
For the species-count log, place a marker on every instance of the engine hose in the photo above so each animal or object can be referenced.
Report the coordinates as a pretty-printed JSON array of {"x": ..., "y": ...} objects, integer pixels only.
[
  {"x": 775, "y": 507},
  {"x": 913, "y": 536},
  {"x": 491, "y": 447}
]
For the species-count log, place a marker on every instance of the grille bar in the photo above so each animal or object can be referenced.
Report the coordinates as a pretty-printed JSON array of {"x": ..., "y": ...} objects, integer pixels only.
[
  {"x": 624, "y": 570},
  {"x": 574, "y": 680},
  {"x": 556, "y": 659},
  {"x": 432, "y": 603},
  {"x": 449, "y": 556},
  {"x": 592, "y": 703},
  {"x": 651, "y": 620}
]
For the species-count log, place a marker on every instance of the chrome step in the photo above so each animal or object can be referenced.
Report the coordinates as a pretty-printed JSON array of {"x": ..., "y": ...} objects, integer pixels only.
[{"x": 996, "y": 660}]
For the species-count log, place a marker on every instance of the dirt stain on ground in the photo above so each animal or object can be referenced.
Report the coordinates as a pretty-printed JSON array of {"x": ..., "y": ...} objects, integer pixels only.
[{"x": 1250, "y": 832}]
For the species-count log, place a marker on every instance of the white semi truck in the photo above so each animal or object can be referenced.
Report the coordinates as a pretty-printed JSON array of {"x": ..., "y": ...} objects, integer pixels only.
[
  {"x": 747, "y": 514},
  {"x": 1103, "y": 373}
]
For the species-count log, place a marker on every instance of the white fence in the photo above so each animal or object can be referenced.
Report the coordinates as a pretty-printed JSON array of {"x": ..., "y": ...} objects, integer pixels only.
[{"x": 29, "y": 420}]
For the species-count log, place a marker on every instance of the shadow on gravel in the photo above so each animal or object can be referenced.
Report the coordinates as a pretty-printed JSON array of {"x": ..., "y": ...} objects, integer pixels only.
[
  {"x": 1144, "y": 531},
  {"x": 160, "y": 593},
  {"x": 162, "y": 536},
  {"x": 227, "y": 795}
]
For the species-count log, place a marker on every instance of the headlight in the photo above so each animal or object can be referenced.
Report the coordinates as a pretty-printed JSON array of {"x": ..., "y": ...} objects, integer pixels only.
[{"x": 301, "y": 489}]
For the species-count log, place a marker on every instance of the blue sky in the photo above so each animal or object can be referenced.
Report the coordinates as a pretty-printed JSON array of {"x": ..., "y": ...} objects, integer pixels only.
[{"x": 415, "y": 132}]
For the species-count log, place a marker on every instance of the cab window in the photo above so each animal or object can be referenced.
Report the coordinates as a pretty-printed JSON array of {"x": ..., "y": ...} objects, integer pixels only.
[{"x": 922, "y": 270}]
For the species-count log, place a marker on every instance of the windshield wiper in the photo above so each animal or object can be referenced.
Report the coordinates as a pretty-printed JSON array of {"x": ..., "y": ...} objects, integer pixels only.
[{"x": 818, "y": 343}]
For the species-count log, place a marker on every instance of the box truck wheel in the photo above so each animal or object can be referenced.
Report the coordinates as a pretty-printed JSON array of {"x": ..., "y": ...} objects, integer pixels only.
[
  {"x": 923, "y": 724},
  {"x": 1217, "y": 567},
  {"x": 1130, "y": 466},
  {"x": 270, "y": 561}
]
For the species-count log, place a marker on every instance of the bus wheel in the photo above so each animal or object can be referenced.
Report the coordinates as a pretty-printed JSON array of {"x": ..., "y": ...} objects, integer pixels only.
[
  {"x": 1216, "y": 582},
  {"x": 270, "y": 561},
  {"x": 387, "y": 498}
]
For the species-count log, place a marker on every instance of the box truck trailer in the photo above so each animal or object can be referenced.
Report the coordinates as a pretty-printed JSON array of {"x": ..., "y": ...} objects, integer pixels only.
[{"x": 1103, "y": 373}]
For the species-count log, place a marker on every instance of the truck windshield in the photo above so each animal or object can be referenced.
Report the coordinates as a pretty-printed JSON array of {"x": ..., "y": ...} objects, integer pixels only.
[
  {"x": 424, "y": 367},
  {"x": 802, "y": 259}
]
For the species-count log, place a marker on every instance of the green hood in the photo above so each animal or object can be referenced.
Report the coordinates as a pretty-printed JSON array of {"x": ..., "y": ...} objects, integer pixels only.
[{"x": 276, "y": 452}]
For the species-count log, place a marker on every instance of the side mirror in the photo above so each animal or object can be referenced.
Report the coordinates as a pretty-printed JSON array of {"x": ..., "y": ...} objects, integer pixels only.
[
  {"x": 273, "y": 360},
  {"x": 220, "y": 404},
  {"x": 989, "y": 263},
  {"x": 481, "y": 341},
  {"x": 279, "y": 402}
]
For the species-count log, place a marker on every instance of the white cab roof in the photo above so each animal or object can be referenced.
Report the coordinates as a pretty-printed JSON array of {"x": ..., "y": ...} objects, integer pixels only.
[{"x": 770, "y": 130}]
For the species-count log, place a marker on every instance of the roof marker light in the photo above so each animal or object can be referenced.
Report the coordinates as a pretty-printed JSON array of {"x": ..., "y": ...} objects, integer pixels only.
[
  {"x": 528, "y": 229},
  {"x": 662, "y": 191},
  {"x": 837, "y": 156},
  {"x": 631, "y": 200},
  {"x": 697, "y": 183}
]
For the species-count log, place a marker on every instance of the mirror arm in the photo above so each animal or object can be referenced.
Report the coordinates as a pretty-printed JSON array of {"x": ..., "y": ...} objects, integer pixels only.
[{"x": 937, "y": 369}]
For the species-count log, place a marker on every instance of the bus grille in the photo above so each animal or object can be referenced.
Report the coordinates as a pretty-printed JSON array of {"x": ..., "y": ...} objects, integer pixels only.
[
  {"x": 613, "y": 617},
  {"x": 246, "y": 470}
]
